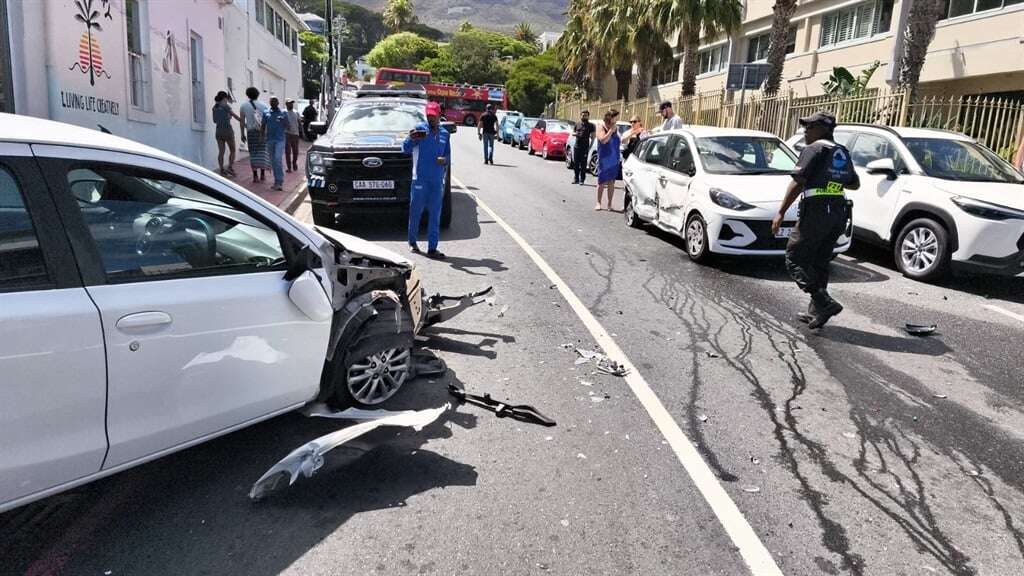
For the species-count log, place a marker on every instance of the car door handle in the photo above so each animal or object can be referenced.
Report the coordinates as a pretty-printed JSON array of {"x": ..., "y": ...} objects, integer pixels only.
[{"x": 142, "y": 320}]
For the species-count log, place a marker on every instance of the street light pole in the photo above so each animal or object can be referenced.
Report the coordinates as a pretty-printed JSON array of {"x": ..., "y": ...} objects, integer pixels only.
[{"x": 329, "y": 75}]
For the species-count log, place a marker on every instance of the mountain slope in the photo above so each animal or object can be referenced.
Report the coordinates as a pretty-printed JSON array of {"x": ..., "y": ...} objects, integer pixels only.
[{"x": 503, "y": 15}]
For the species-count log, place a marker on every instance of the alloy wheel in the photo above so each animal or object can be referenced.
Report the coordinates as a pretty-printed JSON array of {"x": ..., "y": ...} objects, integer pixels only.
[
  {"x": 919, "y": 250},
  {"x": 378, "y": 376},
  {"x": 695, "y": 237}
]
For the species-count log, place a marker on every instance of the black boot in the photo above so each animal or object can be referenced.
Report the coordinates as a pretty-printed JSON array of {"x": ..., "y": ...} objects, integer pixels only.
[
  {"x": 824, "y": 309},
  {"x": 806, "y": 317}
]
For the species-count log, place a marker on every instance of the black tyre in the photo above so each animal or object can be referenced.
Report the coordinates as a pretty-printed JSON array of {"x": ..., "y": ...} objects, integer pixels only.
[
  {"x": 696, "y": 234},
  {"x": 592, "y": 164},
  {"x": 446, "y": 204},
  {"x": 377, "y": 363},
  {"x": 324, "y": 216},
  {"x": 529, "y": 148},
  {"x": 470, "y": 121},
  {"x": 922, "y": 250},
  {"x": 632, "y": 220},
  {"x": 568, "y": 159}
]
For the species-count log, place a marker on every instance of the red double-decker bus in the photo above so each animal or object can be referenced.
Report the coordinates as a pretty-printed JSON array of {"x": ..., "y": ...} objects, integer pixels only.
[{"x": 461, "y": 103}]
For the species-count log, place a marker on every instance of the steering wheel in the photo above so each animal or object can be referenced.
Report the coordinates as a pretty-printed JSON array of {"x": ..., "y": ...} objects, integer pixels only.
[{"x": 156, "y": 227}]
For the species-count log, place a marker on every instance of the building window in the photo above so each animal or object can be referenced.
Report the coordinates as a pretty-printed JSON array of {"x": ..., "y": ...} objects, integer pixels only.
[
  {"x": 198, "y": 86},
  {"x": 259, "y": 12},
  {"x": 269, "y": 23},
  {"x": 713, "y": 59},
  {"x": 138, "y": 69},
  {"x": 665, "y": 72},
  {"x": 295, "y": 42},
  {"x": 757, "y": 46},
  {"x": 287, "y": 34},
  {"x": 956, "y": 8},
  {"x": 279, "y": 28},
  {"x": 854, "y": 22}
]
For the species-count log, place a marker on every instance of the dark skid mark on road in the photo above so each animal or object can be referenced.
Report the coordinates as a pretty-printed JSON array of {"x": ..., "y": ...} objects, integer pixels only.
[{"x": 908, "y": 509}]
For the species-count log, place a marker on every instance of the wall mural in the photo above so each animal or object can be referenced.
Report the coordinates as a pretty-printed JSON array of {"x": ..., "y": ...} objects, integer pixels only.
[{"x": 90, "y": 58}]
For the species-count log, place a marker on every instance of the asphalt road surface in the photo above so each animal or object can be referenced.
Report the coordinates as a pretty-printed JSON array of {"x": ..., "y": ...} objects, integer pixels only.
[{"x": 740, "y": 443}]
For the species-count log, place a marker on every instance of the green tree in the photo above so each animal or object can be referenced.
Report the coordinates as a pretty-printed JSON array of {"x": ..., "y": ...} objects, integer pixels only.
[
  {"x": 610, "y": 33},
  {"x": 399, "y": 14},
  {"x": 443, "y": 67},
  {"x": 314, "y": 54},
  {"x": 465, "y": 26},
  {"x": 582, "y": 64},
  {"x": 402, "y": 50},
  {"x": 524, "y": 33},
  {"x": 689, "y": 17},
  {"x": 475, "y": 59},
  {"x": 531, "y": 82}
]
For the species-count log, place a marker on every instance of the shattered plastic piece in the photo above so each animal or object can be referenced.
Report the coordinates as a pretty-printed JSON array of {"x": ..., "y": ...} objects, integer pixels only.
[
  {"x": 702, "y": 417},
  {"x": 501, "y": 313},
  {"x": 940, "y": 396},
  {"x": 755, "y": 460},
  {"x": 443, "y": 308},
  {"x": 309, "y": 457},
  {"x": 973, "y": 473},
  {"x": 713, "y": 355},
  {"x": 751, "y": 489},
  {"x": 585, "y": 383},
  {"x": 596, "y": 399},
  {"x": 849, "y": 435},
  {"x": 604, "y": 364},
  {"x": 581, "y": 455},
  {"x": 920, "y": 329},
  {"x": 564, "y": 523},
  {"x": 324, "y": 411},
  {"x": 549, "y": 438}
]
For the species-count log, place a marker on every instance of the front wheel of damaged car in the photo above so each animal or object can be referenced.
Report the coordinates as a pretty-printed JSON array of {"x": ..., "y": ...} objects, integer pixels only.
[
  {"x": 377, "y": 363},
  {"x": 696, "y": 235}
]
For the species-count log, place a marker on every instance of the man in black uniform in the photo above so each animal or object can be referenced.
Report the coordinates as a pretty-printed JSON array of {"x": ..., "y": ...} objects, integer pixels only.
[
  {"x": 486, "y": 130},
  {"x": 309, "y": 115},
  {"x": 822, "y": 172},
  {"x": 581, "y": 148}
]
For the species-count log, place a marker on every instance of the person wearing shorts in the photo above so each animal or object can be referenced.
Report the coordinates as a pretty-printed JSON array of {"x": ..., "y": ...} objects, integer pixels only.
[{"x": 225, "y": 134}]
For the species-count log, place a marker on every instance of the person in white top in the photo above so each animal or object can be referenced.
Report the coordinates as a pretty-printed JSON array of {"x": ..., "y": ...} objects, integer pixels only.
[
  {"x": 672, "y": 122},
  {"x": 291, "y": 136},
  {"x": 251, "y": 112}
]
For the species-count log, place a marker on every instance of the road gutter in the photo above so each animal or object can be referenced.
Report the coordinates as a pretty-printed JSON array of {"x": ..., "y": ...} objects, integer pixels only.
[{"x": 753, "y": 551}]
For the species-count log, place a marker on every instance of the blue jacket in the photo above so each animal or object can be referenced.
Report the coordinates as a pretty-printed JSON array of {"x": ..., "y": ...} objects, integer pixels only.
[{"x": 425, "y": 152}]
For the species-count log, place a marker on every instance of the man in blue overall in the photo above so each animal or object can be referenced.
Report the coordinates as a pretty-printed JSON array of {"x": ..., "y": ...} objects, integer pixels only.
[{"x": 431, "y": 154}]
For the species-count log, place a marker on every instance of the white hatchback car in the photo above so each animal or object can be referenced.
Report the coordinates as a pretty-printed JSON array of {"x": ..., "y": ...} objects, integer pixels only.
[
  {"x": 938, "y": 199},
  {"x": 147, "y": 305},
  {"x": 717, "y": 188}
]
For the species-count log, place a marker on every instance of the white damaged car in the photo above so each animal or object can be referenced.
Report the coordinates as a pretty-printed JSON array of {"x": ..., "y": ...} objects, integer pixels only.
[
  {"x": 147, "y": 305},
  {"x": 717, "y": 188}
]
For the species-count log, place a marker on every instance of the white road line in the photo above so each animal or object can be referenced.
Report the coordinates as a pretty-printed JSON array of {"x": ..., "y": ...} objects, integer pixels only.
[
  {"x": 1005, "y": 312},
  {"x": 754, "y": 553}
]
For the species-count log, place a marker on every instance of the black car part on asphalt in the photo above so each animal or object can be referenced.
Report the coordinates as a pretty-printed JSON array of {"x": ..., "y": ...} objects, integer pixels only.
[{"x": 520, "y": 412}]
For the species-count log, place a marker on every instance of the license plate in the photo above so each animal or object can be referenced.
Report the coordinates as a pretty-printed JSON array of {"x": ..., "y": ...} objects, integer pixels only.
[
  {"x": 373, "y": 185},
  {"x": 783, "y": 232}
]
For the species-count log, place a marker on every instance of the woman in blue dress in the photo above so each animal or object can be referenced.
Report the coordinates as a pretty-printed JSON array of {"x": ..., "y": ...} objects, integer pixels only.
[{"x": 608, "y": 157}]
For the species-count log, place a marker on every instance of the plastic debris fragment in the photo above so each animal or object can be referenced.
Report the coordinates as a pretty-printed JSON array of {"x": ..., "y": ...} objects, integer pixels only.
[
  {"x": 940, "y": 396},
  {"x": 713, "y": 355},
  {"x": 309, "y": 457},
  {"x": 702, "y": 417},
  {"x": 849, "y": 435},
  {"x": 921, "y": 329},
  {"x": 603, "y": 363},
  {"x": 501, "y": 313},
  {"x": 751, "y": 489}
]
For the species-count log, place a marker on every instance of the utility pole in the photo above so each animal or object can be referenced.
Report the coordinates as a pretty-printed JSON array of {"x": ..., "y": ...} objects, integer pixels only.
[{"x": 329, "y": 88}]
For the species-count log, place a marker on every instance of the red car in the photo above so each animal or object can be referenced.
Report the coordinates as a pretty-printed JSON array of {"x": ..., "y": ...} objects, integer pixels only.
[{"x": 548, "y": 137}]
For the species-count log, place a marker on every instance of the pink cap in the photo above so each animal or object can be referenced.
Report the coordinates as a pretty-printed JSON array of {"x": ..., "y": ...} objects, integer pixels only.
[{"x": 433, "y": 109}]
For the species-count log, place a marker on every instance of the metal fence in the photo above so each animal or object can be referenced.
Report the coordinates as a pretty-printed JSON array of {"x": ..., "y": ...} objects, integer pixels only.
[{"x": 997, "y": 123}]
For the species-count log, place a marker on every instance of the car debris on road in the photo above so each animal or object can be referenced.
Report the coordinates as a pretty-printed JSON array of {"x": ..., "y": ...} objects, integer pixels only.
[
  {"x": 603, "y": 363},
  {"x": 309, "y": 457},
  {"x": 521, "y": 412}
]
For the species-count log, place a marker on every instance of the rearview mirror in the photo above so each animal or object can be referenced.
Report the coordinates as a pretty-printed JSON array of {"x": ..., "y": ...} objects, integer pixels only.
[
  {"x": 308, "y": 295},
  {"x": 318, "y": 128},
  {"x": 451, "y": 127},
  {"x": 882, "y": 166}
]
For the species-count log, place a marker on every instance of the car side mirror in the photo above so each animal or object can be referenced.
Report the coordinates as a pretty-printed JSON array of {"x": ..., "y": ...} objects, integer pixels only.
[
  {"x": 308, "y": 295},
  {"x": 318, "y": 128},
  {"x": 451, "y": 127},
  {"x": 882, "y": 166}
]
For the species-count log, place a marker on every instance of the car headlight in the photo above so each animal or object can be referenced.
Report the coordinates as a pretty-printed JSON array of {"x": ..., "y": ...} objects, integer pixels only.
[
  {"x": 728, "y": 201},
  {"x": 316, "y": 163},
  {"x": 986, "y": 210}
]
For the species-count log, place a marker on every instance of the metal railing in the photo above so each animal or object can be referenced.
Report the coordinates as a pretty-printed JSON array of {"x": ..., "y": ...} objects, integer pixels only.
[{"x": 998, "y": 123}]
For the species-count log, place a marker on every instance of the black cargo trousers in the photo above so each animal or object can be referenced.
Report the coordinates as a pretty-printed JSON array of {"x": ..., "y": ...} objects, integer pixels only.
[{"x": 809, "y": 250}]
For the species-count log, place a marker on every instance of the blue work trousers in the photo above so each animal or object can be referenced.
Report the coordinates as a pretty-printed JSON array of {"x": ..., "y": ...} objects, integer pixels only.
[
  {"x": 488, "y": 147},
  {"x": 275, "y": 149},
  {"x": 429, "y": 196}
]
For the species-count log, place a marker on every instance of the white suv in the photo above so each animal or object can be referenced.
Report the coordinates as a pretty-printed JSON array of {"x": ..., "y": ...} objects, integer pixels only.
[
  {"x": 939, "y": 199},
  {"x": 147, "y": 305}
]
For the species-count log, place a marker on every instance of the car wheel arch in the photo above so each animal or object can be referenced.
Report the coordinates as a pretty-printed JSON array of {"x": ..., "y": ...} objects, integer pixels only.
[{"x": 915, "y": 210}]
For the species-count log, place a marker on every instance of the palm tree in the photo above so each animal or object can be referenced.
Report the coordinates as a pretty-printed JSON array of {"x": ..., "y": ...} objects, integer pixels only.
[
  {"x": 524, "y": 33},
  {"x": 782, "y": 13},
  {"x": 647, "y": 39},
  {"x": 689, "y": 17},
  {"x": 399, "y": 14},
  {"x": 583, "y": 64},
  {"x": 917, "y": 36},
  {"x": 611, "y": 39}
]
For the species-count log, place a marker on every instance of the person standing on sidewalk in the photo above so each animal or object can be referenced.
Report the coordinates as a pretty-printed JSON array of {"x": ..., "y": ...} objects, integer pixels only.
[
  {"x": 225, "y": 134},
  {"x": 486, "y": 130},
  {"x": 672, "y": 122},
  {"x": 275, "y": 126},
  {"x": 581, "y": 148},
  {"x": 823, "y": 171},
  {"x": 291, "y": 135},
  {"x": 309, "y": 115},
  {"x": 431, "y": 155},
  {"x": 609, "y": 157},
  {"x": 251, "y": 125}
]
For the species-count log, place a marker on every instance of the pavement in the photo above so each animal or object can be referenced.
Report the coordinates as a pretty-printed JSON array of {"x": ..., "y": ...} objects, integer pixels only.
[
  {"x": 740, "y": 444},
  {"x": 292, "y": 192}
]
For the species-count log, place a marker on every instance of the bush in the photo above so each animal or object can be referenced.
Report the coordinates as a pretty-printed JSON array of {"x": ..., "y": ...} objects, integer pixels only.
[{"x": 531, "y": 83}]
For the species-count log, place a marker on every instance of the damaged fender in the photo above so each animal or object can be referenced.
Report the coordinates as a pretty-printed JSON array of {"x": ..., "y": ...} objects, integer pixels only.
[{"x": 309, "y": 457}]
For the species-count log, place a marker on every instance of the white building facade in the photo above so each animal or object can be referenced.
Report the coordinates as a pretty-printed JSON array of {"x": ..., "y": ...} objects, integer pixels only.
[
  {"x": 143, "y": 69},
  {"x": 262, "y": 49}
]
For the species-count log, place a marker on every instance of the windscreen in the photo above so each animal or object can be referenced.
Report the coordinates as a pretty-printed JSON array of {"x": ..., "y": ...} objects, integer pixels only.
[
  {"x": 960, "y": 160},
  {"x": 377, "y": 117},
  {"x": 744, "y": 155},
  {"x": 559, "y": 128}
]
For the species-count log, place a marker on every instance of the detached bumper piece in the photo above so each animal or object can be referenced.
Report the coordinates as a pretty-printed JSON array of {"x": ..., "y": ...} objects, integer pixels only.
[
  {"x": 441, "y": 308},
  {"x": 520, "y": 412}
]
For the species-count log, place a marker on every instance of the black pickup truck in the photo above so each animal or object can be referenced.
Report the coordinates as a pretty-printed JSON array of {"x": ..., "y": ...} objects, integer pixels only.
[{"x": 356, "y": 166}]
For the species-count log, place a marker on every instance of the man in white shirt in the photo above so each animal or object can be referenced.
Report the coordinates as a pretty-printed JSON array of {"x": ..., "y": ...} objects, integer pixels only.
[
  {"x": 672, "y": 122},
  {"x": 291, "y": 135}
]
